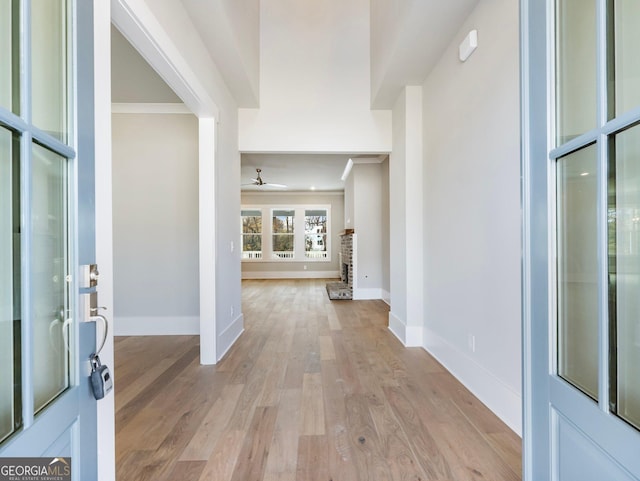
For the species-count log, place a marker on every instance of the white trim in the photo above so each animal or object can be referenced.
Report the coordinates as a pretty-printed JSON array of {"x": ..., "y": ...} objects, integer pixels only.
[
  {"x": 397, "y": 327},
  {"x": 149, "y": 108},
  {"x": 207, "y": 132},
  {"x": 500, "y": 398},
  {"x": 230, "y": 335},
  {"x": 386, "y": 297},
  {"x": 296, "y": 193},
  {"x": 104, "y": 222},
  {"x": 409, "y": 336},
  {"x": 291, "y": 275},
  {"x": 141, "y": 28},
  {"x": 156, "y": 326},
  {"x": 369, "y": 160},
  {"x": 367, "y": 294}
]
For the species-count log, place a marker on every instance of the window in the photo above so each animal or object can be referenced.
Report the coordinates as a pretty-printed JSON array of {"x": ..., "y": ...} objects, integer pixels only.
[
  {"x": 283, "y": 236},
  {"x": 251, "y": 234},
  {"x": 315, "y": 234},
  {"x": 296, "y": 233}
]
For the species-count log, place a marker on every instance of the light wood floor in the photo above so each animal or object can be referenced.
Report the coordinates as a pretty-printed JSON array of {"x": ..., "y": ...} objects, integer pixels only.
[{"x": 313, "y": 390}]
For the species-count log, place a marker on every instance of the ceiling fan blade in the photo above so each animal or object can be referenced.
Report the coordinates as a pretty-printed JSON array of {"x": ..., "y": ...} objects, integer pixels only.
[{"x": 274, "y": 185}]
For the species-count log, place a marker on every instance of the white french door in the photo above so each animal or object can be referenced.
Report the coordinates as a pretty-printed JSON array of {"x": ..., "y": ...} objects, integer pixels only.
[
  {"x": 46, "y": 230},
  {"x": 581, "y": 198}
]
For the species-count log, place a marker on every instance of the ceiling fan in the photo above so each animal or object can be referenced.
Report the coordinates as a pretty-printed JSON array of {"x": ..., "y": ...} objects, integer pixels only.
[{"x": 261, "y": 183}]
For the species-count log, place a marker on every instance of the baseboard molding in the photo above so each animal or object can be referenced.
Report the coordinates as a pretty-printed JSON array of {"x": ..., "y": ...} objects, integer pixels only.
[
  {"x": 500, "y": 398},
  {"x": 156, "y": 326},
  {"x": 229, "y": 336},
  {"x": 386, "y": 297},
  {"x": 409, "y": 336},
  {"x": 291, "y": 275},
  {"x": 366, "y": 294}
]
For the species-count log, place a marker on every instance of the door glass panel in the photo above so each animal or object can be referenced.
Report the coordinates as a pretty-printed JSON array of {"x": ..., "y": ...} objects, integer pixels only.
[
  {"x": 624, "y": 276},
  {"x": 49, "y": 292},
  {"x": 627, "y": 66},
  {"x": 578, "y": 269},
  {"x": 9, "y": 55},
  {"x": 575, "y": 68},
  {"x": 49, "y": 66},
  {"x": 10, "y": 377}
]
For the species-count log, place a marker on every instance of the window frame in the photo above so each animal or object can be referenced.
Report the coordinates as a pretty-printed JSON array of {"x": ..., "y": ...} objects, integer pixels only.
[
  {"x": 242, "y": 233},
  {"x": 299, "y": 234}
]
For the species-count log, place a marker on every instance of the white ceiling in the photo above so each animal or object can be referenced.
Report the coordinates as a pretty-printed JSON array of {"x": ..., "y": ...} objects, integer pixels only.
[
  {"x": 299, "y": 172},
  {"x": 407, "y": 38}
]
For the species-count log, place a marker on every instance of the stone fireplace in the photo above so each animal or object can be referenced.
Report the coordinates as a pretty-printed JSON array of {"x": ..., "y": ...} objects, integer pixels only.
[{"x": 344, "y": 288}]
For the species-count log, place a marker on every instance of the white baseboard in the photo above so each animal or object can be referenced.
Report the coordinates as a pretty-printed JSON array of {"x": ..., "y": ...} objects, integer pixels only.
[
  {"x": 156, "y": 326},
  {"x": 386, "y": 297},
  {"x": 503, "y": 400},
  {"x": 229, "y": 336},
  {"x": 409, "y": 336},
  {"x": 291, "y": 275}
]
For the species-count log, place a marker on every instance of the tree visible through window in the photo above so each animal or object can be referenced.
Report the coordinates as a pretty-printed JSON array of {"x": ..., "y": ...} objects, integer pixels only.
[
  {"x": 251, "y": 234},
  {"x": 283, "y": 235},
  {"x": 315, "y": 234}
]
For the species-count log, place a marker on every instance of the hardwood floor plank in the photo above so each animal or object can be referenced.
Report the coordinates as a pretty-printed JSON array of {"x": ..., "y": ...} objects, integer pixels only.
[
  {"x": 312, "y": 459},
  {"x": 203, "y": 442},
  {"x": 186, "y": 470},
  {"x": 425, "y": 447},
  {"x": 340, "y": 452},
  {"x": 223, "y": 460},
  {"x": 314, "y": 389},
  {"x": 252, "y": 459},
  {"x": 368, "y": 454},
  {"x": 394, "y": 442},
  {"x": 327, "y": 352},
  {"x": 155, "y": 388},
  {"x": 312, "y": 405},
  {"x": 281, "y": 462}
]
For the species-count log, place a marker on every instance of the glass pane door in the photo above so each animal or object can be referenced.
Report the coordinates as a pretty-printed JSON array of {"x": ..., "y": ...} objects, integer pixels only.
[
  {"x": 10, "y": 416},
  {"x": 49, "y": 294},
  {"x": 624, "y": 275},
  {"x": 577, "y": 233}
]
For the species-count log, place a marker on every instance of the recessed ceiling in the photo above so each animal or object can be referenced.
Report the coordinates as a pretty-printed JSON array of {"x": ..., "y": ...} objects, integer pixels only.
[{"x": 299, "y": 172}]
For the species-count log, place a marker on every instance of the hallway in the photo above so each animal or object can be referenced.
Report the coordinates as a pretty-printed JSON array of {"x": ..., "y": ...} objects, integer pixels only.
[{"x": 313, "y": 390}]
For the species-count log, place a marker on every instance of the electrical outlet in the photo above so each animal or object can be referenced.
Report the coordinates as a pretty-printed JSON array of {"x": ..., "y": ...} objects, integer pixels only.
[
  {"x": 232, "y": 312},
  {"x": 232, "y": 246},
  {"x": 305, "y": 267}
]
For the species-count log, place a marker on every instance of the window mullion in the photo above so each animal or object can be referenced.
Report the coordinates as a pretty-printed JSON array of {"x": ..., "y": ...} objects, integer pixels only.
[{"x": 298, "y": 234}]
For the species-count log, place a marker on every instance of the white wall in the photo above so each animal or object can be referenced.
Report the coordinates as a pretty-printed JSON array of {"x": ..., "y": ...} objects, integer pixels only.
[
  {"x": 367, "y": 222},
  {"x": 406, "y": 191},
  {"x": 472, "y": 211},
  {"x": 385, "y": 219},
  {"x": 202, "y": 88},
  {"x": 314, "y": 81},
  {"x": 397, "y": 222},
  {"x": 155, "y": 224},
  {"x": 266, "y": 269}
]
